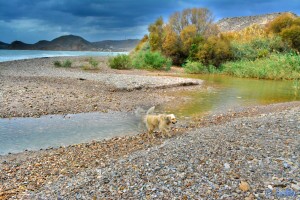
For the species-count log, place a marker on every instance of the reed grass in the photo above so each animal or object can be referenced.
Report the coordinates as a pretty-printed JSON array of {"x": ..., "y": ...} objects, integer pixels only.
[{"x": 276, "y": 67}]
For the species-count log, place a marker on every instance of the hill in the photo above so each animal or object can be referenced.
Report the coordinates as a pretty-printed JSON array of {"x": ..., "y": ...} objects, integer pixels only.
[
  {"x": 239, "y": 23},
  {"x": 73, "y": 43},
  {"x": 66, "y": 43},
  {"x": 3, "y": 45}
]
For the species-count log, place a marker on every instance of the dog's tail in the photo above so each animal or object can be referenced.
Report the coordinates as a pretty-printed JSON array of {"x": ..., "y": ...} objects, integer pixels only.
[
  {"x": 151, "y": 110},
  {"x": 139, "y": 112}
]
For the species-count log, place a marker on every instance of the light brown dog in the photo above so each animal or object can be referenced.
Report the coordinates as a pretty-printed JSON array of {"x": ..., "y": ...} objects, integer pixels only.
[{"x": 160, "y": 121}]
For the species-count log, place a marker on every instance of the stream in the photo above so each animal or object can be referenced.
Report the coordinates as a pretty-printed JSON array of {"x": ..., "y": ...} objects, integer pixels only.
[{"x": 219, "y": 93}]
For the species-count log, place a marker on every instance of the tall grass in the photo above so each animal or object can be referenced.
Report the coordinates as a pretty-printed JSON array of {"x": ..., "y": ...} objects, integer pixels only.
[
  {"x": 277, "y": 66},
  {"x": 192, "y": 67},
  {"x": 257, "y": 48}
]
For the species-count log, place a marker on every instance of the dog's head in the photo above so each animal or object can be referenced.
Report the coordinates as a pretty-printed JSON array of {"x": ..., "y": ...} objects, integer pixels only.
[{"x": 171, "y": 118}]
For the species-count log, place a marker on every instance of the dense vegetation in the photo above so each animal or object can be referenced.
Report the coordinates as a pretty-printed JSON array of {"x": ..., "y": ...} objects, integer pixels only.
[{"x": 190, "y": 39}]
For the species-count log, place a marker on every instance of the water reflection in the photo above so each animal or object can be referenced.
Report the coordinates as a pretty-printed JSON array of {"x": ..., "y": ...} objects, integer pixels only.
[
  {"x": 18, "y": 134},
  {"x": 221, "y": 92}
]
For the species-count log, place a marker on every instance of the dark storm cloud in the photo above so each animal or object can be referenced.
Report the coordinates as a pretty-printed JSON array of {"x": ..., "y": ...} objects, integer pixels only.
[
  {"x": 33, "y": 20},
  {"x": 106, "y": 13}
]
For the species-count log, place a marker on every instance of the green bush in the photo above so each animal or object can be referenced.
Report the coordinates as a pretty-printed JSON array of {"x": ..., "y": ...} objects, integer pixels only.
[
  {"x": 192, "y": 67},
  {"x": 277, "y": 66},
  {"x": 57, "y": 63},
  {"x": 66, "y": 63},
  {"x": 121, "y": 61},
  {"x": 94, "y": 63},
  {"x": 151, "y": 60}
]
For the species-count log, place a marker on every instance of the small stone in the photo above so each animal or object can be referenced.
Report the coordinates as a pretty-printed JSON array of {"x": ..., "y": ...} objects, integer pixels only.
[
  {"x": 286, "y": 165},
  {"x": 250, "y": 197},
  {"x": 226, "y": 166},
  {"x": 270, "y": 187},
  {"x": 295, "y": 187},
  {"x": 244, "y": 186}
]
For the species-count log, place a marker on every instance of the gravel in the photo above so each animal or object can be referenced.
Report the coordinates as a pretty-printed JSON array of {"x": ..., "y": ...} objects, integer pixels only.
[
  {"x": 31, "y": 88},
  {"x": 246, "y": 156},
  {"x": 44, "y": 67}
]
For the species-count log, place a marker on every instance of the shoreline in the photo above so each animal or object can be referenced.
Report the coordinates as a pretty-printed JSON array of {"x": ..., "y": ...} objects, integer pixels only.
[
  {"x": 83, "y": 54},
  {"x": 49, "y": 166}
]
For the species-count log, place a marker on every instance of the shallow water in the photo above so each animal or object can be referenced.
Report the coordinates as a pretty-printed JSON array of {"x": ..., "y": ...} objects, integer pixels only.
[
  {"x": 219, "y": 93},
  {"x": 19, "y": 134},
  {"x": 9, "y": 55}
]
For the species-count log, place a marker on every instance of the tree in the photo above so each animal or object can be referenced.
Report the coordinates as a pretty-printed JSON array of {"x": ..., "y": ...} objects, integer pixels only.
[
  {"x": 292, "y": 35},
  {"x": 141, "y": 42},
  {"x": 187, "y": 36},
  {"x": 280, "y": 22},
  {"x": 171, "y": 45},
  {"x": 288, "y": 27},
  {"x": 156, "y": 34},
  {"x": 201, "y": 18},
  {"x": 215, "y": 51}
]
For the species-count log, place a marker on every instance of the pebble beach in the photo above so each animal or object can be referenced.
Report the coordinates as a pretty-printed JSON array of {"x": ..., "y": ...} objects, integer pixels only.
[
  {"x": 35, "y": 87},
  {"x": 247, "y": 153}
]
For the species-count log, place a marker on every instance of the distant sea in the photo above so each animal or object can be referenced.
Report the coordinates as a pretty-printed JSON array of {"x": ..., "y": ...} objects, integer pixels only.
[{"x": 9, "y": 55}]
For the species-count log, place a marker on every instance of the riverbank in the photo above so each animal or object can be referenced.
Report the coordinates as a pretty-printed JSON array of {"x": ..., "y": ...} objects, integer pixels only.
[
  {"x": 34, "y": 87},
  {"x": 207, "y": 158}
]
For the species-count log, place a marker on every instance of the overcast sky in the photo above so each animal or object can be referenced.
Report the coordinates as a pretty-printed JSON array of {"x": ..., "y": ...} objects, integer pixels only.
[{"x": 95, "y": 20}]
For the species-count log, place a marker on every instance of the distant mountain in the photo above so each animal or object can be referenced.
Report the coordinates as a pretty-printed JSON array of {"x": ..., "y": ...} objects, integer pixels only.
[
  {"x": 73, "y": 43},
  {"x": 70, "y": 42},
  {"x": 238, "y": 23},
  {"x": 3, "y": 45},
  {"x": 18, "y": 45}
]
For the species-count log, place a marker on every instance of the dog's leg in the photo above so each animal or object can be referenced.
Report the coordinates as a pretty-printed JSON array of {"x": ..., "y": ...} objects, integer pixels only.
[
  {"x": 167, "y": 132},
  {"x": 163, "y": 133},
  {"x": 150, "y": 131},
  {"x": 164, "y": 130}
]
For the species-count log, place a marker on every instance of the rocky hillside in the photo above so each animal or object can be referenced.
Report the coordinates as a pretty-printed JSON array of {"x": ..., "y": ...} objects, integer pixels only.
[
  {"x": 239, "y": 23},
  {"x": 73, "y": 43}
]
